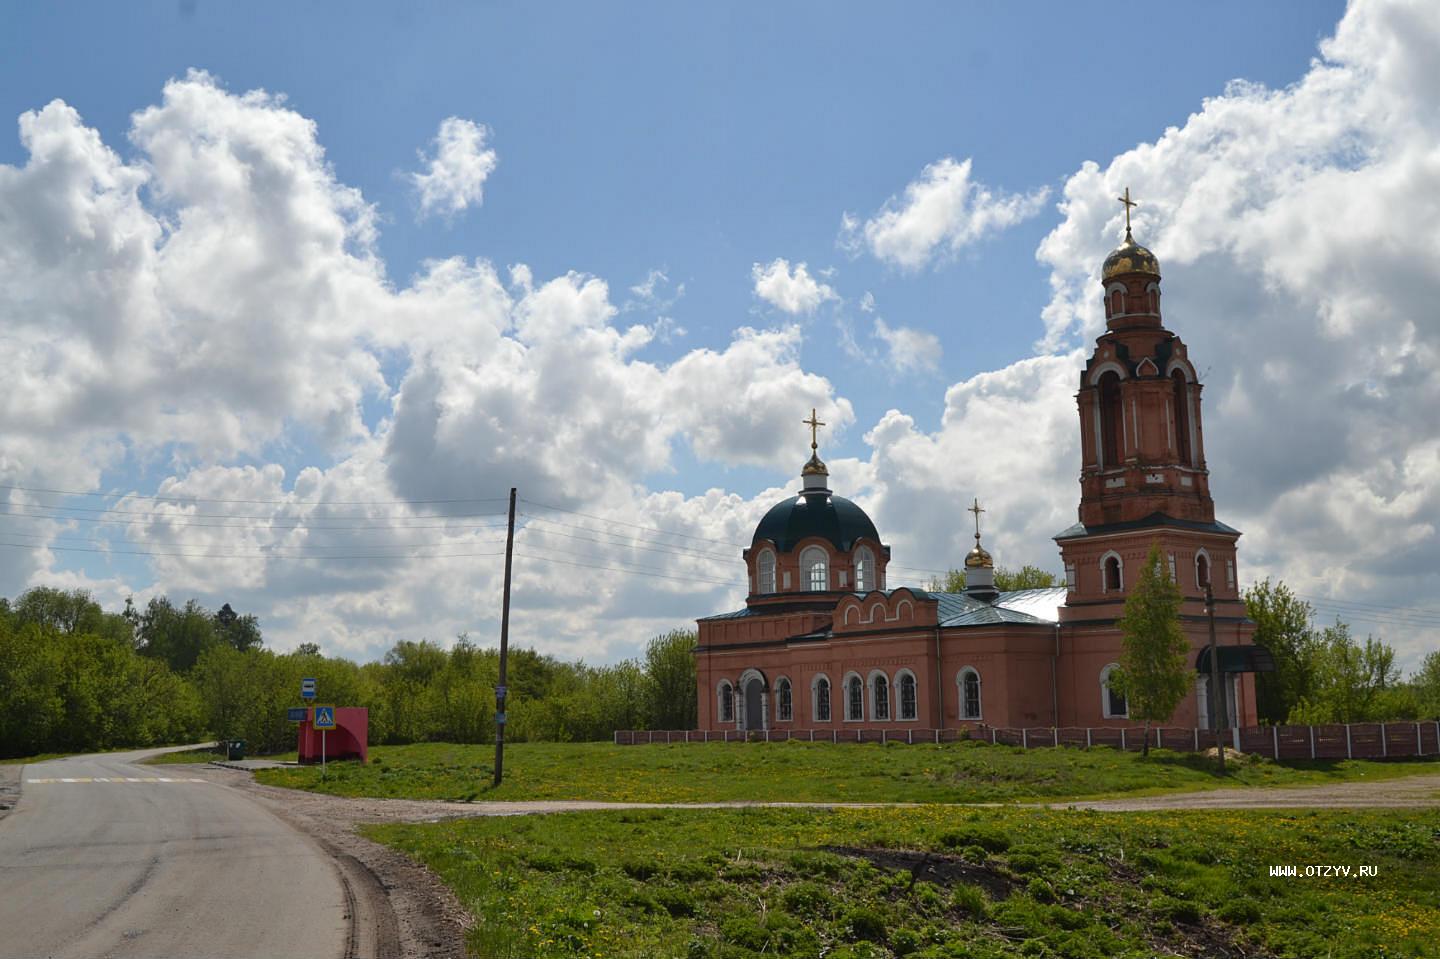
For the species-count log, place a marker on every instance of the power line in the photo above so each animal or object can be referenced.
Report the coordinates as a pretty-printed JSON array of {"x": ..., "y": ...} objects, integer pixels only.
[
  {"x": 152, "y": 513},
  {"x": 617, "y": 569},
  {"x": 676, "y": 548},
  {"x": 171, "y": 519},
  {"x": 259, "y": 555},
  {"x": 618, "y": 522}
]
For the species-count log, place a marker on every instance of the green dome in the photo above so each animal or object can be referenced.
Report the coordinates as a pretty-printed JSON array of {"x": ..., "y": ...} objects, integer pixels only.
[{"x": 832, "y": 518}]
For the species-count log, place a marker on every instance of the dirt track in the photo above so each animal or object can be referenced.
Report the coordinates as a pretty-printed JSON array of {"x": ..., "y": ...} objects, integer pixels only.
[{"x": 1410, "y": 792}]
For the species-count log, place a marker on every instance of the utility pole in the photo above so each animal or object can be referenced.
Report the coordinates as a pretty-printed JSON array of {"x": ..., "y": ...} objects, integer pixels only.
[
  {"x": 500, "y": 689},
  {"x": 1217, "y": 695}
]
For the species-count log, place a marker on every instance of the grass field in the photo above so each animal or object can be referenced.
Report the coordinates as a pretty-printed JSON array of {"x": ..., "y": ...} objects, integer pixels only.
[
  {"x": 936, "y": 882},
  {"x": 820, "y": 772}
]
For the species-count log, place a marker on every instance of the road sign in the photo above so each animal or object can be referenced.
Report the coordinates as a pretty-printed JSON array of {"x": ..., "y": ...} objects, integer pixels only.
[
  {"x": 307, "y": 689},
  {"x": 324, "y": 717},
  {"x": 297, "y": 714}
]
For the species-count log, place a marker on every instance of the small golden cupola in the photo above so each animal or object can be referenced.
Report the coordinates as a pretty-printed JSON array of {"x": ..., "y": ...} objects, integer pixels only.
[
  {"x": 979, "y": 567},
  {"x": 814, "y": 475},
  {"x": 1129, "y": 257}
]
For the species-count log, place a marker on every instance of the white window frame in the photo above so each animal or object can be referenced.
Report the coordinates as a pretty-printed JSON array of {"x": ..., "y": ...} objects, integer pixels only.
[
  {"x": 979, "y": 693},
  {"x": 720, "y": 690},
  {"x": 845, "y": 693},
  {"x": 809, "y": 564},
  {"x": 1105, "y": 710},
  {"x": 899, "y": 693},
  {"x": 783, "y": 686},
  {"x": 877, "y": 680},
  {"x": 864, "y": 569},
  {"x": 1200, "y": 554},
  {"x": 765, "y": 585},
  {"x": 815, "y": 699},
  {"x": 1105, "y": 579}
]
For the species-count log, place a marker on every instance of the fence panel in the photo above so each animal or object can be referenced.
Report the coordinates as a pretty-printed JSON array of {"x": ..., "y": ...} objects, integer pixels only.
[{"x": 1401, "y": 739}]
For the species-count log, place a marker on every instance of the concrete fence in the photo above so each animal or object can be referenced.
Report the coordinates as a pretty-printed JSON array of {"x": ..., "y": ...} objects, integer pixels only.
[{"x": 1353, "y": 741}]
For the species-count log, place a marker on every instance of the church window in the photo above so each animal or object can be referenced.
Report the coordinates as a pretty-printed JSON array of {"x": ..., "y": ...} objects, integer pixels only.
[
  {"x": 821, "y": 698},
  {"x": 727, "y": 703},
  {"x": 909, "y": 708},
  {"x": 1110, "y": 415},
  {"x": 1173, "y": 577},
  {"x": 766, "y": 566},
  {"x": 1112, "y": 701},
  {"x": 1202, "y": 570},
  {"x": 969, "y": 693},
  {"x": 1114, "y": 576},
  {"x": 864, "y": 570},
  {"x": 854, "y": 699},
  {"x": 881, "y": 707},
  {"x": 1117, "y": 302},
  {"x": 1230, "y": 574},
  {"x": 784, "y": 701},
  {"x": 1182, "y": 417},
  {"x": 816, "y": 575}
]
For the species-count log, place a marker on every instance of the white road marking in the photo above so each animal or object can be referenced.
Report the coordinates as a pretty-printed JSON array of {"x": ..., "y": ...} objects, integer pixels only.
[{"x": 117, "y": 779}]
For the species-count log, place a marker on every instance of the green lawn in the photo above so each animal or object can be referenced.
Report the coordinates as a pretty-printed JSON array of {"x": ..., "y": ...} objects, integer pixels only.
[
  {"x": 936, "y": 882},
  {"x": 821, "y": 772}
]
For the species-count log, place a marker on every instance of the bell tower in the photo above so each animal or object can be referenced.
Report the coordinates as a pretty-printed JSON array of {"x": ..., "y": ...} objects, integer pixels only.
[{"x": 1143, "y": 476}]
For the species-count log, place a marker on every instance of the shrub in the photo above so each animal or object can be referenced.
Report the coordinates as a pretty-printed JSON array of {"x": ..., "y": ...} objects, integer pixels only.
[
  {"x": 867, "y": 923},
  {"x": 970, "y": 901},
  {"x": 987, "y": 839}
]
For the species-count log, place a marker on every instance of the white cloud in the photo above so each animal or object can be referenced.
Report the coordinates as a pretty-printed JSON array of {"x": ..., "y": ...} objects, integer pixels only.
[
  {"x": 942, "y": 210},
  {"x": 793, "y": 291},
  {"x": 453, "y": 178},
  {"x": 908, "y": 350}
]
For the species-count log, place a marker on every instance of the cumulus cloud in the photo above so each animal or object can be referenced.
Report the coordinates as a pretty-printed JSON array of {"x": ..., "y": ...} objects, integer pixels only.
[
  {"x": 942, "y": 210},
  {"x": 908, "y": 350},
  {"x": 793, "y": 291},
  {"x": 453, "y": 178}
]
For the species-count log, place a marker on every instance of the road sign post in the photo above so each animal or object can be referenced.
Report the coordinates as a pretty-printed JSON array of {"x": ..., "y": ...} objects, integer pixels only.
[
  {"x": 323, "y": 720},
  {"x": 307, "y": 689}
]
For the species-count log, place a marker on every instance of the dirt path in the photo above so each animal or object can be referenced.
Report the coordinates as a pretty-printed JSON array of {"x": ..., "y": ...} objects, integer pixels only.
[{"x": 1410, "y": 792}]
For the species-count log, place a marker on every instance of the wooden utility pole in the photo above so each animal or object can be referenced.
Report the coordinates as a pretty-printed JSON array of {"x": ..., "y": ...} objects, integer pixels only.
[
  {"x": 1217, "y": 695},
  {"x": 500, "y": 690}
]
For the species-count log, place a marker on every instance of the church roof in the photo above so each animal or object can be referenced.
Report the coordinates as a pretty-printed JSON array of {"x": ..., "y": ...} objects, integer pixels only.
[
  {"x": 830, "y": 517},
  {"x": 1022, "y": 606},
  {"x": 1154, "y": 519}
]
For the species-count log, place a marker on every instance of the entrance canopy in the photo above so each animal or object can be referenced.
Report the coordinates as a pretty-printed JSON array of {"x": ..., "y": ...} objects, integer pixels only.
[{"x": 1238, "y": 659}]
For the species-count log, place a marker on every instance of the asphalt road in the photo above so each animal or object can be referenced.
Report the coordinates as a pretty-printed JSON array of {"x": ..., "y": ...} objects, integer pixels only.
[{"x": 102, "y": 857}]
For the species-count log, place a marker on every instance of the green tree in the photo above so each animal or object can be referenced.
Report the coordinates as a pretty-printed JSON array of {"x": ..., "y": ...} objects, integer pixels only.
[
  {"x": 65, "y": 611},
  {"x": 670, "y": 668},
  {"x": 236, "y": 631},
  {"x": 1354, "y": 682},
  {"x": 1426, "y": 683},
  {"x": 1283, "y": 625},
  {"x": 176, "y": 636},
  {"x": 1006, "y": 580},
  {"x": 1153, "y": 674}
]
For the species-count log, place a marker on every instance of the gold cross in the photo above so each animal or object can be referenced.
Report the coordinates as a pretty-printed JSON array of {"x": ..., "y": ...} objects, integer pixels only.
[
  {"x": 1128, "y": 204},
  {"x": 977, "y": 511},
  {"x": 814, "y": 423}
]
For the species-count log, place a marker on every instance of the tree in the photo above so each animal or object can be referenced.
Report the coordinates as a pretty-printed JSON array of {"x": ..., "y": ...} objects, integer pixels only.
[
  {"x": 1353, "y": 682},
  {"x": 1426, "y": 683},
  {"x": 1153, "y": 673},
  {"x": 1283, "y": 625},
  {"x": 177, "y": 636},
  {"x": 670, "y": 668},
  {"x": 236, "y": 631},
  {"x": 1026, "y": 577}
]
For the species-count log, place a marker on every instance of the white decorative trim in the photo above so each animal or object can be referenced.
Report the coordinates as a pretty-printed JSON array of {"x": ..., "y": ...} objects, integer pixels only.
[
  {"x": 899, "y": 699},
  {"x": 1209, "y": 567},
  {"x": 720, "y": 702},
  {"x": 1104, "y": 580},
  {"x": 807, "y": 563},
  {"x": 871, "y": 689},
  {"x": 815, "y": 700},
  {"x": 1105, "y": 694},
  {"x": 1106, "y": 367},
  {"x": 1140, "y": 367},
  {"x": 785, "y": 680},
  {"x": 980, "y": 688},
  {"x": 845, "y": 698},
  {"x": 765, "y": 553}
]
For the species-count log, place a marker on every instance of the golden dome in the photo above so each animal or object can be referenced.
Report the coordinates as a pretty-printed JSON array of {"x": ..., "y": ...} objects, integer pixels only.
[
  {"x": 1130, "y": 257},
  {"x": 977, "y": 558},
  {"x": 814, "y": 467}
]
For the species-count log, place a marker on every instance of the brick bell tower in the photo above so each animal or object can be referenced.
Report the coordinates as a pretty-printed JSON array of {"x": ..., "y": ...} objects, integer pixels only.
[{"x": 1143, "y": 477}]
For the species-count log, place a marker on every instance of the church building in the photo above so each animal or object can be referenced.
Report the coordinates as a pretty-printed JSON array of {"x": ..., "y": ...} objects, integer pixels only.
[{"x": 824, "y": 644}]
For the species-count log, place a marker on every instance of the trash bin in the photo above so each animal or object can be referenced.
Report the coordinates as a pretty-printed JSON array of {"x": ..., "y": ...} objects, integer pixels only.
[{"x": 235, "y": 749}]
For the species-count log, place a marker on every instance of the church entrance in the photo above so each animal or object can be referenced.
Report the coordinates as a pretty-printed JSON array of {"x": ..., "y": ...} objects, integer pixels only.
[{"x": 755, "y": 704}]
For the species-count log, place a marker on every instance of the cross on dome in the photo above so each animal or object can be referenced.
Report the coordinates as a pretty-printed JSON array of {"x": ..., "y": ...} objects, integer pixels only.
[
  {"x": 1128, "y": 204},
  {"x": 977, "y": 510},
  {"x": 814, "y": 423}
]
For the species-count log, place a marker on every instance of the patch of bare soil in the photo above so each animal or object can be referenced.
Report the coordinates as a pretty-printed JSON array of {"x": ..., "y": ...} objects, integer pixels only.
[
  {"x": 1409, "y": 792},
  {"x": 933, "y": 867},
  {"x": 398, "y": 908}
]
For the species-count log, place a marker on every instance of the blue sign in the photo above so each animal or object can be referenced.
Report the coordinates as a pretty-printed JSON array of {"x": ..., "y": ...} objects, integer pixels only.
[
  {"x": 297, "y": 714},
  {"x": 307, "y": 689},
  {"x": 324, "y": 717}
]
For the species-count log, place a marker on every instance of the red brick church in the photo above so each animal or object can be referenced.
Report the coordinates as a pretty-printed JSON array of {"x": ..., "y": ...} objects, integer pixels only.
[{"x": 823, "y": 643}]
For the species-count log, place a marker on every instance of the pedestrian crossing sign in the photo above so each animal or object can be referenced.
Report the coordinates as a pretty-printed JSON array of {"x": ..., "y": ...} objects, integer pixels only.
[{"x": 324, "y": 717}]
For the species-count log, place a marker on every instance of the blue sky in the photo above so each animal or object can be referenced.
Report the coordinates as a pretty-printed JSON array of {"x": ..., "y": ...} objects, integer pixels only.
[{"x": 705, "y": 142}]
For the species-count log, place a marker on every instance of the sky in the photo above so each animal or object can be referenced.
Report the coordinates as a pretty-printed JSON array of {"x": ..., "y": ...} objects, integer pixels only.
[{"x": 291, "y": 297}]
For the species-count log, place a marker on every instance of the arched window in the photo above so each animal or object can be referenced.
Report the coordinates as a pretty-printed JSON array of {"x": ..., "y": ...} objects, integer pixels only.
[
  {"x": 1110, "y": 416},
  {"x": 854, "y": 699},
  {"x": 766, "y": 566},
  {"x": 727, "y": 702},
  {"x": 1112, "y": 703},
  {"x": 1181, "y": 401},
  {"x": 814, "y": 569},
  {"x": 784, "y": 701},
  {"x": 969, "y": 681},
  {"x": 820, "y": 696},
  {"x": 1117, "y": 302},
  {"x": 864, "y": 570},
  {"x": 880, "y": 692},
  {"x": 909, "y": 707},
  {"x": 1202, "y": 570},
  {"x": 1113, "y": 574}
]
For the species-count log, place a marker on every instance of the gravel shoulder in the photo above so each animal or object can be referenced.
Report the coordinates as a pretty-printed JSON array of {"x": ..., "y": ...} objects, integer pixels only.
[{"x": 1410, "y": 792}]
